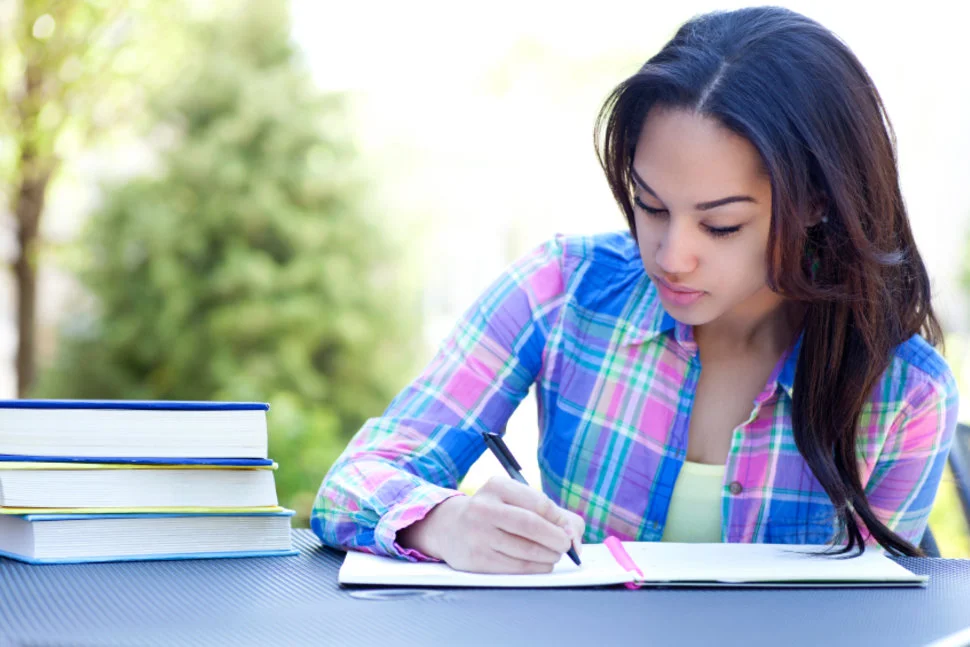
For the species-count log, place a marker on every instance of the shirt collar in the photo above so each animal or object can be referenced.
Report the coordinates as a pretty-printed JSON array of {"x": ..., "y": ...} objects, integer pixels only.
[
  {"x": 644, "y": 317},
  {"x": 783, "y": 374},
  {"x": 786, "y": 376}
]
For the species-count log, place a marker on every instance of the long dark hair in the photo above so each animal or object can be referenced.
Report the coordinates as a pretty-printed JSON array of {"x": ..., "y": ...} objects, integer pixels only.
[{"x": 840, "y": 240}]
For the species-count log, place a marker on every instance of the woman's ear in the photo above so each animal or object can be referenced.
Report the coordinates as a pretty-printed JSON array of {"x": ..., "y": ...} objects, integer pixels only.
[{"x": 819, "y": 212}]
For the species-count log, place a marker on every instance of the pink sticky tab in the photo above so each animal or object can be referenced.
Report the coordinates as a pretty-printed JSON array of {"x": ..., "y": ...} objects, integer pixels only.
[{"x": 623, "y": 558}]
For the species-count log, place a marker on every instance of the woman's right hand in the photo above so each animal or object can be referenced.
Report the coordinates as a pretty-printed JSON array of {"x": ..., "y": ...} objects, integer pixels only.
[{"x": 505, "y": 527}]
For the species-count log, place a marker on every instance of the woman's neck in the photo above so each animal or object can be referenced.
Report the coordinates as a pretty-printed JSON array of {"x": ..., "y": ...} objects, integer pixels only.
[{"x": 767, "y": 324}]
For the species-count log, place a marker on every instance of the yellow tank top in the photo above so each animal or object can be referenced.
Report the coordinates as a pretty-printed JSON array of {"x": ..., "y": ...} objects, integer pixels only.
[{"x": 695, "y": 506}]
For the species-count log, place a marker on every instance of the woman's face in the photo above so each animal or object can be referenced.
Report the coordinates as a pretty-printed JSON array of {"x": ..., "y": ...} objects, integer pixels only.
[{"x": 702, "y": 213}]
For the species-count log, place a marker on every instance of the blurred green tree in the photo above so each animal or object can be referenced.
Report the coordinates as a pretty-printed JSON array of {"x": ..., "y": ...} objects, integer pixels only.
[
  {"x": 65, "y": 82},
  {"x": 245, "y": 267}
]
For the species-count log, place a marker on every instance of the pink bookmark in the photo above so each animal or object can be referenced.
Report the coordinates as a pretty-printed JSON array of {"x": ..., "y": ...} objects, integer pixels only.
[{"x": 623, "y": 558}]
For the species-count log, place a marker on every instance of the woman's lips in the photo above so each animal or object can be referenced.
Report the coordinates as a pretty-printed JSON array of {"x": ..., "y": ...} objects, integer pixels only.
[{"x": 677, "y": 295}]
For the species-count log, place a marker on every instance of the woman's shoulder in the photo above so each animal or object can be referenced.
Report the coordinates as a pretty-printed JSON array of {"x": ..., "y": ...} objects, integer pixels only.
[
  {"x": 596, "y": 259},
  {"x": 923, "y": 356},
  {"x": 918, "y": 367},
  {"x": 614, "y": 249},
  {"x": 599, "y": 271}
]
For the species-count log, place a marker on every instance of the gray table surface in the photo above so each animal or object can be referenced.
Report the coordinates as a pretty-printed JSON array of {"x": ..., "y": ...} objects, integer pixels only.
[{"x": 296, "y": 601}]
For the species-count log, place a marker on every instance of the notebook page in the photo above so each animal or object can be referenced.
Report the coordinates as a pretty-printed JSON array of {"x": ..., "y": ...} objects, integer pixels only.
[
  {"x": 598, "y": 568},
  {"x": 673, "y": 562}
]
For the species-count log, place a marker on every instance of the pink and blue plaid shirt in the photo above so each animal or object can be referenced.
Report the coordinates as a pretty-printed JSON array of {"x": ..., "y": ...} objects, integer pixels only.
[{"x": 615, "y": 378}]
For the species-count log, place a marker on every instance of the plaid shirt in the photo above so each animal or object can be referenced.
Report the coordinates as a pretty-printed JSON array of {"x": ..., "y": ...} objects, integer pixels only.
[{"x": 615, "y": 378}]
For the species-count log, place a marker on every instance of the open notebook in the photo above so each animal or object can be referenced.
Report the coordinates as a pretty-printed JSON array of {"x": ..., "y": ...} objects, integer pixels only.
[{"x": 656, "y": 564}]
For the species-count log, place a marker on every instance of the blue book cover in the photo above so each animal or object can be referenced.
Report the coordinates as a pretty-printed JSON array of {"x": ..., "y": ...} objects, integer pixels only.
[
  {"x": 286, "y": 552},
  {"x": 279, "y": 551},
  {"x": 216, "y": 462},
  {"x": 143, "y": 405},
  {"x": 276, "y": 512}
]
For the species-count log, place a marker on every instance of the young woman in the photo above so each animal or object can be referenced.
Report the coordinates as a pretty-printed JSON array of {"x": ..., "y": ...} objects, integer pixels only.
[{"x": 751, "y": 362}]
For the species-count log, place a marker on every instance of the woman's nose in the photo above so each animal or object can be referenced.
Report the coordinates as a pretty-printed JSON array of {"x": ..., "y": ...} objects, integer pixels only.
[{"x": 676, "y": 254}]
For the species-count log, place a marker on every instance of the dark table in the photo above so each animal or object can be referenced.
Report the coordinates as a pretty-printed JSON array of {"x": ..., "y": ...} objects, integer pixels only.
[{"x": 296, "y": 601}]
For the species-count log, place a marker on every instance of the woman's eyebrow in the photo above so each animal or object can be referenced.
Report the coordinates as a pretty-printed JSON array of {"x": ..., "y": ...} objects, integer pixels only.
[{"x": 700, "y": 206}]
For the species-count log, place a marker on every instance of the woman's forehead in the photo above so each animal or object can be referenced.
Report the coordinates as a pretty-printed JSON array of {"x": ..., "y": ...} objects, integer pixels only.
[{"x": 682, "y": 152}]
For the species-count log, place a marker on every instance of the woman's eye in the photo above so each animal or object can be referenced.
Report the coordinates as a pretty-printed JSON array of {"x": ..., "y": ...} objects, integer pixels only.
[
  {"x": 716, "y": 232},
  {"x": 653, "y": 212},
  {"x": 720, "y": 232}
]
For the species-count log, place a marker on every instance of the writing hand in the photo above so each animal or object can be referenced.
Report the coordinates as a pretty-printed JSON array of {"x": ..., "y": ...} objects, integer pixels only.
[{"x": 505, "y": 527}]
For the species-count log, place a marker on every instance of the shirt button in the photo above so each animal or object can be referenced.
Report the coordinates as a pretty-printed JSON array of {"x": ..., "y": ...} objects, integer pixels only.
[{"x": 735, "y": 487}]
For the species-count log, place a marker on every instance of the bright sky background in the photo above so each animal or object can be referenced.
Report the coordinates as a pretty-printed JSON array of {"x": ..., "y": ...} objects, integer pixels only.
[
  {"x": 480, "y": 116},
  {"x": 475, "y": 121},
  {"x": 478, "y": 121}
]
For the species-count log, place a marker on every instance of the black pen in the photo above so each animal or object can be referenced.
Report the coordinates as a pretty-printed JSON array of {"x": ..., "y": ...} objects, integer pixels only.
[{"x": 505, "y": 457}]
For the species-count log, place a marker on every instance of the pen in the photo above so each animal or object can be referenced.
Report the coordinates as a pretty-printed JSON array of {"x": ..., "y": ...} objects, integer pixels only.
[{"x": 505, "y": 457}]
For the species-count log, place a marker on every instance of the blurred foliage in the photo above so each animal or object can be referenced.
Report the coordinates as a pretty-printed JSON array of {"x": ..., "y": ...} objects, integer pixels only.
[
  {"x": 244, "y": 268},
  {"x": 950, "y": 528},
  {"x": 70, "y": 70},
  {"x": 65, "y": 76}
]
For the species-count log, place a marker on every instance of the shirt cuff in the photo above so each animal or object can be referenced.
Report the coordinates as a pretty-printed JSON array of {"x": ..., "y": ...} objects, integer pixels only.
[{"x": 412, "y": 508}]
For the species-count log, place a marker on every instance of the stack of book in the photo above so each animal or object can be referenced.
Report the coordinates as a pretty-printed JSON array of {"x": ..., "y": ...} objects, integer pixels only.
[{"x": 117, "y": 480}]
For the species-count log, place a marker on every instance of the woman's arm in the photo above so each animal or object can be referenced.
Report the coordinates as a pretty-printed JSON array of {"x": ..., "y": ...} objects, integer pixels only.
[
  {"x": 399, "y": 466},
  {"x": 903, "y": 484}
]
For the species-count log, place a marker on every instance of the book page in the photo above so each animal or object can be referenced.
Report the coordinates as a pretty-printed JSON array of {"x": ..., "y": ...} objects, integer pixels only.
[
  {"x": 727, "y": 563},
  {"x": 598, "y": 568}
]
